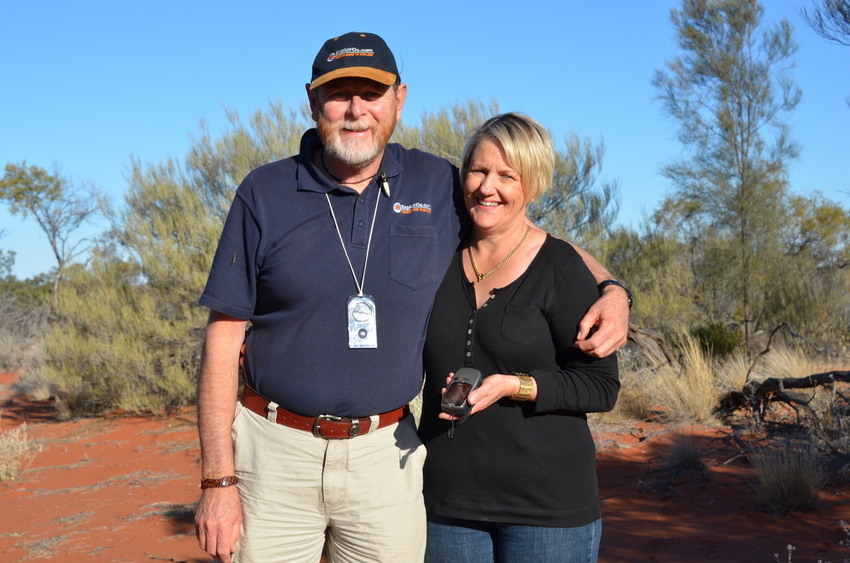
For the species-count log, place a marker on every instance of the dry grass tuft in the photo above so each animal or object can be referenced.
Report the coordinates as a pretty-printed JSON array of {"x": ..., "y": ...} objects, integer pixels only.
[
  {"x": 686, "y": 392},
  {"x": 790, "y": 477},
  {"x": 685, "y": 453},
  {"x": 14, "y": 448}
]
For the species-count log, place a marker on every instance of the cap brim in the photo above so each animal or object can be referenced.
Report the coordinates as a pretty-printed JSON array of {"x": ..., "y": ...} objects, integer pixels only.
[{"x": 380, "y": 76}]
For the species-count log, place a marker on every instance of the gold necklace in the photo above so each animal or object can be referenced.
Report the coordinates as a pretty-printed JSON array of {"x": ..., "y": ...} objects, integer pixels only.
[{"x": 500, "y": 264}]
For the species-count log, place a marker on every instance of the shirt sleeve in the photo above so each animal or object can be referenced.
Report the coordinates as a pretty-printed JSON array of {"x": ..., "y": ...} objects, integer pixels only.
[
  {"x": 232, "y": 284},
  {"x": 583, "y": 383}
]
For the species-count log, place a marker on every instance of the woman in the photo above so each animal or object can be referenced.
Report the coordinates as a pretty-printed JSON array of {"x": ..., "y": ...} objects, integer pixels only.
[{"x": 517, "y": 480}]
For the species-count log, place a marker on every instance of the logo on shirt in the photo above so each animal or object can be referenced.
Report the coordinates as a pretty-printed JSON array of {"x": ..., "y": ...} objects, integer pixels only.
[{"x": 406, "y": 209}]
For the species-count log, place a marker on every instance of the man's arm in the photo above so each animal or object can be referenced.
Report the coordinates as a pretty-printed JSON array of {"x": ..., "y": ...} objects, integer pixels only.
[
  {"x": 219, "y": 516},
  {"x": 605, "y": 326}
]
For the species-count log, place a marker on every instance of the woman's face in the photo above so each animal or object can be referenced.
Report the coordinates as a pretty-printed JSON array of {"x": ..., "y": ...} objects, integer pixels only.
[{"x": 492, "y": 189}]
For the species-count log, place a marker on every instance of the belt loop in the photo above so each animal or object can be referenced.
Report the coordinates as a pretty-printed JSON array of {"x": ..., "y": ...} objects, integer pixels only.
[
  {"x": 376, "y": 421},
  {"x": 271, "y": 411}
]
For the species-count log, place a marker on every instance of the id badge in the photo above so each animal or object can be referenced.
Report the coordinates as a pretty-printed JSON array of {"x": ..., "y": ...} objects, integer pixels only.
[{"x": 362, "y": 331}]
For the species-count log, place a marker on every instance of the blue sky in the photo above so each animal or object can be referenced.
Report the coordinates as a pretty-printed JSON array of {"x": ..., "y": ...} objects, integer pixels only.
[{"x": 88, "y": 84}]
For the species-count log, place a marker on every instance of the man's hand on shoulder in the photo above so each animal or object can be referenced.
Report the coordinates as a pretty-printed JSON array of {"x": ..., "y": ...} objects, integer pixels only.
[
  {"x": 605, "y": 326},
  {"x": 218, "y": 522}
]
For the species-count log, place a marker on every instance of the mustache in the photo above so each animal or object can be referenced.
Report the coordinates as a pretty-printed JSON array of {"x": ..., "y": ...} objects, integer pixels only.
[{"x": 359, "y": 125}]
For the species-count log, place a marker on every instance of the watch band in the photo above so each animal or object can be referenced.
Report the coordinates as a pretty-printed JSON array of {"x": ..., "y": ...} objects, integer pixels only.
[
  {"x": 526, "y": 386},
  {"x": 215, "y": 483},
  {"x": 605, "y": 283}
]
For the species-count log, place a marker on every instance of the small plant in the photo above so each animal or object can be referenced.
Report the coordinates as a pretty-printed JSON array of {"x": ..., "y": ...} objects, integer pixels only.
[
  {"x": 843, "y": 543},
  {"x": 14, "y": 448},
  {"x": 790, "y": 477},
  {"x": 790, "y": 549},
  {"x": 684, "y": 455}
]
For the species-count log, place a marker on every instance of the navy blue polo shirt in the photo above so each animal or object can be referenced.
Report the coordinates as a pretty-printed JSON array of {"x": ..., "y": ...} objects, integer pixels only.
[{"x": 280, "y": 264}]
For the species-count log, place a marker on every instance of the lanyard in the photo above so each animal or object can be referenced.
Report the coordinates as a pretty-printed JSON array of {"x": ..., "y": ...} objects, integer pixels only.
[{"x": 362, "y": 281}]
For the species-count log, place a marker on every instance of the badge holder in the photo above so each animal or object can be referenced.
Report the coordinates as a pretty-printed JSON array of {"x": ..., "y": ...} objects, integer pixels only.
[{"x": 362, "y": 331}]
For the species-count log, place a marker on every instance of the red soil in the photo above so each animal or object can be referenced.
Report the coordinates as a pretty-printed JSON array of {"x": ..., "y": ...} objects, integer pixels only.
[{"x": 123, "y": 488}]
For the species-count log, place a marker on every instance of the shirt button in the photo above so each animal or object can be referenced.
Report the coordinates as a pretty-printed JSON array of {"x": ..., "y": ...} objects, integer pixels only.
[
  {"x": 468, "y": 343},
  {"x": 470, "y": 321},
  {"x": 359, "y": 223},
  {"x": 468, "y": 354},
  {"x": 469, "y": 331}
]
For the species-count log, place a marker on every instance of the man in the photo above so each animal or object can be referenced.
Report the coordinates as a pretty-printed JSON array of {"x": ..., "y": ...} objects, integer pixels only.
[{"x": 334, "y": 256}]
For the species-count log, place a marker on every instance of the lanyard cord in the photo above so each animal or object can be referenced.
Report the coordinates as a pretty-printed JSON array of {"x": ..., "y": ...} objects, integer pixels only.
[{"x": 362, "y": 281}]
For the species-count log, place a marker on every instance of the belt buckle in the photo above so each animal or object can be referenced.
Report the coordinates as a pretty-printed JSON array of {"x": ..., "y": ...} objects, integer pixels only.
[{"x": 352, "y": 432}]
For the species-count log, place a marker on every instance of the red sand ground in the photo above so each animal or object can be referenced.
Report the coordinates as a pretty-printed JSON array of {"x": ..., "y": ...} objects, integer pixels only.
[{"x": 124, "y": 489}]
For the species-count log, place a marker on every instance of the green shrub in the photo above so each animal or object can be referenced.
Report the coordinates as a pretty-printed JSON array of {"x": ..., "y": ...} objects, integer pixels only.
[
  {"x": 118, "y": 344},
  {"x": 718, "y": 339}
]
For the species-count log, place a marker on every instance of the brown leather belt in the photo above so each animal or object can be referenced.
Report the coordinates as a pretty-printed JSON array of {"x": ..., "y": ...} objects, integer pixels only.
[{"x": 323, "y": 426}]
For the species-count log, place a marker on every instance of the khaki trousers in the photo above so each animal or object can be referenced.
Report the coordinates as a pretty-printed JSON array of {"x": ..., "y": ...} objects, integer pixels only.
[{"x": 365, "y": 491}]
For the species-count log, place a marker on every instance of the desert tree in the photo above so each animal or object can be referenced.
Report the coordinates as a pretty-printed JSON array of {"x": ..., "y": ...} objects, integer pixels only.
[
  {"x": 60, "y": 208},
  {"x": 577, "y": 206},
  {"x": 7, "y": 259},
  {"x": 811, "y": 289},
  {"x": 128, "y": 326},
  {"x": 830, "y": 19},
  {"x": 729, "y": 92}
]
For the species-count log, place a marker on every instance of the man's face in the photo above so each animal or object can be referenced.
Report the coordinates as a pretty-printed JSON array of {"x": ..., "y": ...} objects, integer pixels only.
[{"x": 356, "y": 117}]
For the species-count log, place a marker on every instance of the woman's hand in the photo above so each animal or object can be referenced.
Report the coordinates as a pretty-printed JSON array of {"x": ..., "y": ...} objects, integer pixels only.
[{"x": 493, "y": 388}]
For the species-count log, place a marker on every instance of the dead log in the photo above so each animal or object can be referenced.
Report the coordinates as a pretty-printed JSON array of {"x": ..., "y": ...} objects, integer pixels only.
[
  {"x": 758, "y": 392},
  {"x": 774, "y": 384}
]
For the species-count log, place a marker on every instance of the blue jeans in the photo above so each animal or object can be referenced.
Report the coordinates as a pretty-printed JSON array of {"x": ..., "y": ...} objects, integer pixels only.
[{"x": 468, "y": 541}]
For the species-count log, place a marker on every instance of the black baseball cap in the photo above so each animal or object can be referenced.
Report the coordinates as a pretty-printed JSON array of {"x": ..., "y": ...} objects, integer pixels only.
[{"x": 359, "y": 55}]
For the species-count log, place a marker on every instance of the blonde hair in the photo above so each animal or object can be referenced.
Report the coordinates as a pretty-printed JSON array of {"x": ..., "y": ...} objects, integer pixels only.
[{"x": 528, "y": 150}]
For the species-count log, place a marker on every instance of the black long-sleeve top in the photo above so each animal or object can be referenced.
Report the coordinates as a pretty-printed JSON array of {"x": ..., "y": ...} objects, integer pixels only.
[{"x": 519, "y": 463}]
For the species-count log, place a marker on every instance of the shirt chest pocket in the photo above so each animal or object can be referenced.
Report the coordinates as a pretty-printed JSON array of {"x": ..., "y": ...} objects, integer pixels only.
[
  {"x": 522, "y": 324},
  {"x": 413, "y": 256}
]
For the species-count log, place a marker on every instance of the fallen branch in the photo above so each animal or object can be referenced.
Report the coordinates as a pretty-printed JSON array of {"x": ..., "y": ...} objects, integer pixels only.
[{"x": 758, "y": 392}]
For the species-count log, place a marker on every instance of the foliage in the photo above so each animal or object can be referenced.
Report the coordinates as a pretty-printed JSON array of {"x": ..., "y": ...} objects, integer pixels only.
[
  {"x": 809, "y": 284},
  {"x": 21, "y": 335},
  {"x": 656, "y": 267},
  {"x": 444, "y": 132},
  {"x": 33, "y": 292},
  {"x": 574, "y": 207},
  {"x": 128, "y": 325},
  {"x": 728, "y": 91},
  {"x": 718, "y": 339},
  {"x": 60, "y": 208},
  {"x": 7, "y": 260},
  {"x": 214, "y": 167},
  {"x": 118, "y": 344}
]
